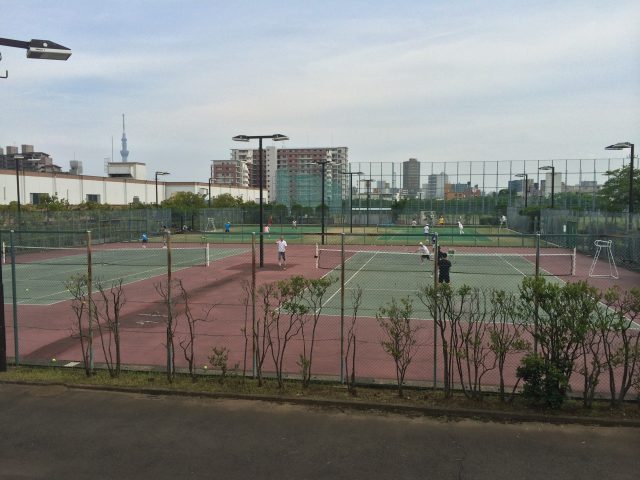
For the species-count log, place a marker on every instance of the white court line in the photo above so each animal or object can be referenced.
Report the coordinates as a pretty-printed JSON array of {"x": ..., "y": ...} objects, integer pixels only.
[
  {"x": 163, "y": 267},
  {"x": 350, "y": 278},
  {"x": 106, "y": 281}
]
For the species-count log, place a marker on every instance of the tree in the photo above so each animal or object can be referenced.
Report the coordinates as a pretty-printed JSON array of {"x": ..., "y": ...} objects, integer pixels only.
[
  {"x": 614, "y": 194},
  {"x": 108, "y": 310},
  {"x": 81, "y": 304},
  {"x": 564, "y": 321},
  {"x": 401, "y": 341},
  {"x": 314, "y": 292},
  {"x": 226, "y": 200},
  {"x": 184, "y": 200},
  {"x": 350, "y": 354}
]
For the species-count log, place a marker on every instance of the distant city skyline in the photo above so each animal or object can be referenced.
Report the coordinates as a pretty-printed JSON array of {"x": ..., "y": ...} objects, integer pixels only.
[{"x": 437, "y": 81}]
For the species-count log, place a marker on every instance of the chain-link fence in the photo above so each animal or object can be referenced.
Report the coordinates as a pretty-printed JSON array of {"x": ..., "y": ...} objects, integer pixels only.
[
  {"x": 322, "y": 310},
  {"x": 107, "y": 226}
]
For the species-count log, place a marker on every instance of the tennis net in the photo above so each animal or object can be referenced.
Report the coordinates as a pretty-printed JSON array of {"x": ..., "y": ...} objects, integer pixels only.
[
  {"x": 143, "y": 257},
  {"x": 485, "y": 263}
]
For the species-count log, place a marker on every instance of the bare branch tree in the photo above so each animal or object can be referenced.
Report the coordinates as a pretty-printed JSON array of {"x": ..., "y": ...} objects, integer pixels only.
[
  {"x": 350, "y": 355},
  {"x": 246, "y": 297},
  {"x": 268, "y": 294},
  {"x": 165, "y": 290},
  {"x": 473, "y": 355},
  {"x": 78, "y": 288},
  {"x": 313, "y": 295},
  {"x": 187, "y": 344},
  {"x": 287, "y": 321},
  {"x": 108, "y": 310}
]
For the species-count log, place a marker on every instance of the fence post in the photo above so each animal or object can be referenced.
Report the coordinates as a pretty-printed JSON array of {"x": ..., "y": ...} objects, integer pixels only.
[
  {"x": 170, "y": 352},
  {"x": 436, "y": 259},
  {"x": 254, "y": 359},
  {"x": 342, "y": 307},
  {"x": 3, "y": 338},
  {"x": 89, "y": 296},
  {"x": 14, "y": 294},
  {"x": 535, "y": 298}
]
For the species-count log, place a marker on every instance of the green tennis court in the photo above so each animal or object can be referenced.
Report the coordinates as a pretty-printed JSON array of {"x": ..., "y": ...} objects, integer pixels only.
[
  {"x": 385, "y": 275},
  {"x": 42, "y": 273}
]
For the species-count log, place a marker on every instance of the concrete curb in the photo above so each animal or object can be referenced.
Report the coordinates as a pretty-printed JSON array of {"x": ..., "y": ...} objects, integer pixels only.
[{"x": 436, "y": 412}]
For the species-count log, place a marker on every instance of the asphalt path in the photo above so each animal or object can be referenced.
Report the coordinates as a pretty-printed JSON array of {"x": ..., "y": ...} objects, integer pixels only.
[{"x": 59, "y": 433}]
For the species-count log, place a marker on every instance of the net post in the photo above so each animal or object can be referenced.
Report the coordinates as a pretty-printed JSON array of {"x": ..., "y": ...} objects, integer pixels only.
[
  {"x": 341, "y": 307},
  {"x": 317, "y": 255},
  {"x": 254, "y": 333},
  {"x": 207, "y": 257},
  {"x": 573, "y": 261},
  {"x": 89, "y": 298},
  {"x": 436, "y": 259},
  {"x": 4, "y": 252}
]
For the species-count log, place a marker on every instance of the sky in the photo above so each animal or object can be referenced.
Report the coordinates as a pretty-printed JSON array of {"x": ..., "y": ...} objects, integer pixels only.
[{"x": 440, "y": 81}]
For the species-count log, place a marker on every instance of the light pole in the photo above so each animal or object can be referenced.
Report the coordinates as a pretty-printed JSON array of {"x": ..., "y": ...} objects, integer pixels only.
[
  {"x": 17, "y": 159},
  {"x": 526, "y": 186},
  {"x": 276, "y": 137},
  {"x": 210, "y": 180},
  {"x": 351, "y": 174},
  {"x": 553, "y": 180},
  {"x": 322, "y": 163},
  {"x": 46, "y": 50},
  {"x": 621, "y": 146},
  {"x": 157, "y": 174},
  {"x": 368, "y": 180}
]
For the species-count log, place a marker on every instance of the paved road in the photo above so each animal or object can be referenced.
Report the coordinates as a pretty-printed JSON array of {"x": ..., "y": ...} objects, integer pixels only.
[{"x": 57, "y": 433}]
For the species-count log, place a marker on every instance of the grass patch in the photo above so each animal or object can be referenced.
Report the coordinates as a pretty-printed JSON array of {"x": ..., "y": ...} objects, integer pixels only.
[{"x": 384, "y": 396}]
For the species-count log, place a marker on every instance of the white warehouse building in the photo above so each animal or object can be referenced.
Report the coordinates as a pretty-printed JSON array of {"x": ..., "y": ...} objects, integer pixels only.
[{"x": 123, "y": 190}]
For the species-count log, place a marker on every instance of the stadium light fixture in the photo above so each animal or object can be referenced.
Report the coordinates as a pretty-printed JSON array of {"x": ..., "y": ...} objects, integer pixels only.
[
  {"x": 526, "y": 186},
  {"x": 351, "y": 174},
  {"x": 622, "y": 146},
  {"x": 553, "y": 180},
  {"x": 39, "y": 49},
  {"x": 46, "y": 50},
  {"x": 276, "y": 137},
  {"x": 158, "y": 174}
]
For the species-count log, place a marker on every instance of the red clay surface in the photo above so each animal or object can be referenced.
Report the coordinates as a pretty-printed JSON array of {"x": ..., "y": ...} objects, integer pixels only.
[{"x": 45, "y": 332}]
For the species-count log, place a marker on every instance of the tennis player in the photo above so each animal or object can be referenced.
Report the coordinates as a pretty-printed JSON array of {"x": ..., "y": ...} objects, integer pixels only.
[
  {"x": 426, "y": 230},
  {"x": 460, "y": 227},
  {"x": 444, "y": 266},
  {"x": 424, "y": 252},
  {"x": 227, "y": 227},
  {"x": 165, "y": 236},
  {"x": 145, "y": 240},
  {"x": 282, "y": 253}
]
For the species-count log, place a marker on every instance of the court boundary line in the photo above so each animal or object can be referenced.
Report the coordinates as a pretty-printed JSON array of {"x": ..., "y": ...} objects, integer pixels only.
[{"x": 174, "y": 268}]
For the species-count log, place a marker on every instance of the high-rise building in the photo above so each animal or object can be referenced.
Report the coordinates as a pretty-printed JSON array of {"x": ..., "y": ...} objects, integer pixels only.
[
  {"x": 230, "y": 172},
  {"x": 435, "y": 185},
  {"x": 411, "y": 176},
  {"x": 293, "y": 175}
]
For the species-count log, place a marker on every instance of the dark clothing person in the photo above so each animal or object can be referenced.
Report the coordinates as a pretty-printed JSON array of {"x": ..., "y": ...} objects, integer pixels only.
[{"x": 444, "y": 265}]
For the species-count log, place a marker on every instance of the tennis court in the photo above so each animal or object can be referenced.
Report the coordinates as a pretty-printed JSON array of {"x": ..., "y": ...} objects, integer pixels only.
[
  {"x": 42, "y": 273},
  {"x": 383, "y": 275}
]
